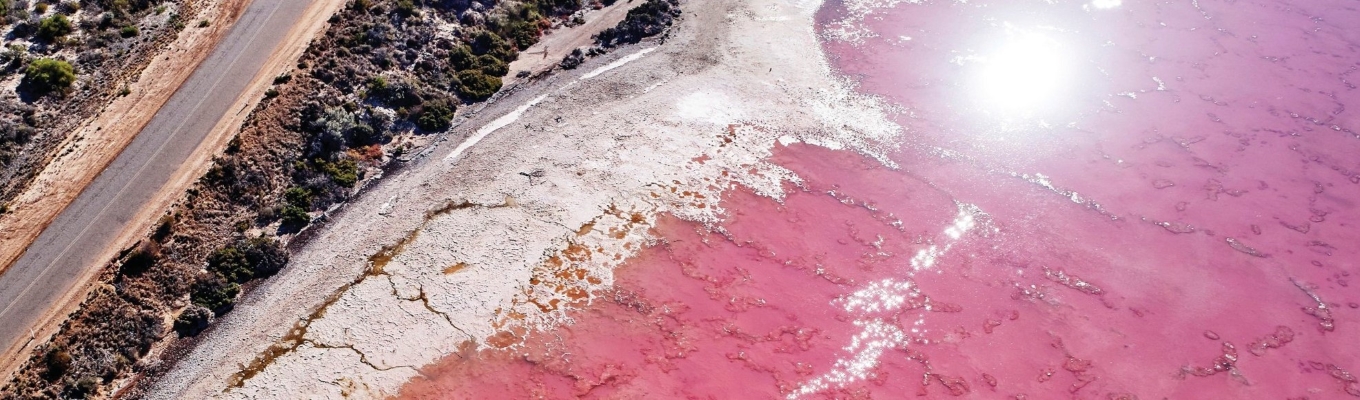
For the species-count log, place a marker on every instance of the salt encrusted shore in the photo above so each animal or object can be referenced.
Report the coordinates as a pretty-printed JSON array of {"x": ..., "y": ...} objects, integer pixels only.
[{"x": 477, "y": 240}]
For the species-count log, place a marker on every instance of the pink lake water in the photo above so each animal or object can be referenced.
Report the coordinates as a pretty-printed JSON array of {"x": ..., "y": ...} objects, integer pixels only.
[{"x": 1093, "y": 201}]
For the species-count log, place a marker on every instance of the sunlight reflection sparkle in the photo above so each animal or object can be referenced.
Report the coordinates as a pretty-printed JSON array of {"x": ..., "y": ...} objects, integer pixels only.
[{"x": 1024, "y": 76}]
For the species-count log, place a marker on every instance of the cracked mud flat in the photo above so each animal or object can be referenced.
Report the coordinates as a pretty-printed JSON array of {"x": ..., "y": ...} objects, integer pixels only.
[{"x": 526, "y": 211}]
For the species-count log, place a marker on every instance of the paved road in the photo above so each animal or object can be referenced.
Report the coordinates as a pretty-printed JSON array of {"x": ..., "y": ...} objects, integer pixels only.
[{"x": 50, "y": 267}]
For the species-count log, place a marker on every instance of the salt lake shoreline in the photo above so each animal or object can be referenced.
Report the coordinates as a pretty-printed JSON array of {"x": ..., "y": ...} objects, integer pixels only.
[{"x": 666, "y": 131}]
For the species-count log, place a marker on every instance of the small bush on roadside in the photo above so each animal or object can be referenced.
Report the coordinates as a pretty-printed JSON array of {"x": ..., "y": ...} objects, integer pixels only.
[
  {"x": 343, "y": 172},
  {"x": 57, "y": 361},
  {"x": 294, "y": 217},
  {"x": 214, "y": 293},
  {"x": 435, "y": 115},
  {"x": 46, "y": 75},
  {"x": 492, "y": 66},
  {"x": 193, "y": 320},
  {"x": 231, "y": 264},
  {"x": 299, "y": 197},
  {"x": 140, "y": 260},
  {"x": 244, "y": 260},
  {"x": 476, "y": 85},
  {"x": 54, "y": 27},
  {"x": 85, "y": 387},
  {"x": 648, "y": 19}
]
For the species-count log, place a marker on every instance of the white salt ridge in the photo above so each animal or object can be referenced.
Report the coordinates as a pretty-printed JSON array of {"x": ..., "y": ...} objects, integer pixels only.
[
  {"x": 495, "y": 125},
  {"x": 618, "y": 63}
]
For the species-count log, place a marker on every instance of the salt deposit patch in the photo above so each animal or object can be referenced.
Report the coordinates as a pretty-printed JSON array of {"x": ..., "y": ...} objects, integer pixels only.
[
  {"x": 710, "y": 107},
  {"x": 618, "y": 63}
]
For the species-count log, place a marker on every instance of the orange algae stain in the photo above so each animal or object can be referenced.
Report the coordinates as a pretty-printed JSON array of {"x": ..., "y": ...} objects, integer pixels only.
[
  {"x": 576, "y": 252},
  {"x": 585, "y": 229},
  {"x": 577, "y": 293},
  {"x": 502, "y": 339},
  {"x": 455, "y": 268}
]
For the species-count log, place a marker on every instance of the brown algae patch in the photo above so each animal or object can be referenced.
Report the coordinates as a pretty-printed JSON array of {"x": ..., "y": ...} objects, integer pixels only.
[
  {"x": 452, "y": 269},
  {"x": 569, "y": 276}
]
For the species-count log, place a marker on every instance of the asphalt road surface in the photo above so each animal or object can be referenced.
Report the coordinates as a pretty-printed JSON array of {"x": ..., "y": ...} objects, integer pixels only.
[{"x": 69, "y": 247}]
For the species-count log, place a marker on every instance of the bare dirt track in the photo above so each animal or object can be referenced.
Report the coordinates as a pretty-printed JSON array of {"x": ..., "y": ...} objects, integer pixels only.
[
  {"x": 120, "y": 201},
  {"x": 548, "y": 52}
]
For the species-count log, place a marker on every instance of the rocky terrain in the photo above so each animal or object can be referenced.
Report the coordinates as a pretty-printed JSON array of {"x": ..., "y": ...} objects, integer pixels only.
[{"x": 381, "y": 82}]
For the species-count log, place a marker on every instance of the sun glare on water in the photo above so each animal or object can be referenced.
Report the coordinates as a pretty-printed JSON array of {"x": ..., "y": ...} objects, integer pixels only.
[
  {"x": 1106, "y": 4},
  {"x": 1025, "y": 75}
]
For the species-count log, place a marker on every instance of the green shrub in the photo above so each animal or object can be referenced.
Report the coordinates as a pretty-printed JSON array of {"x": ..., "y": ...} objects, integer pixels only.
[
  {"x": 295, "y": 217},
  {"x": 476, "y": 85},
  {"x": 396, "y": 94},
  {"x": 164, "y": 227},
  {"x": 248, "y": 259},
  {"x": 492, "y": 66},
  {"x": 377, "y": 85},
  {"x": 193, "y": 320},
  {"x": 54, "y": 27},
  {"x": 489, "y": 43},
  {"x": 298, "y": 197},
  {"x": 406, "y": 8},
  {"x": 13, "y": 53},
  {"x": 435, "y": 115},
  {"x": 265, "y": 256},
  {"x": 85, "y": 386},
  {"x": 524, "y": 33},
  {"x": 230, "y": 263},
  {"x": 128, "y": 31},
  {"x": 45, "y": 75},
  {"x": 214, "y": 293},
  {"x": 461, "y": 58},
  {"x": 40, "y": 8},
  {"x": 344, "y": 172}
]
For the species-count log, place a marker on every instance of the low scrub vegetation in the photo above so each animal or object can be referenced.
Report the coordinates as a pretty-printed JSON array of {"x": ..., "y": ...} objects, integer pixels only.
[
  {"x": 649, "y": 19},
  {"x": 46, "y": 75}
]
